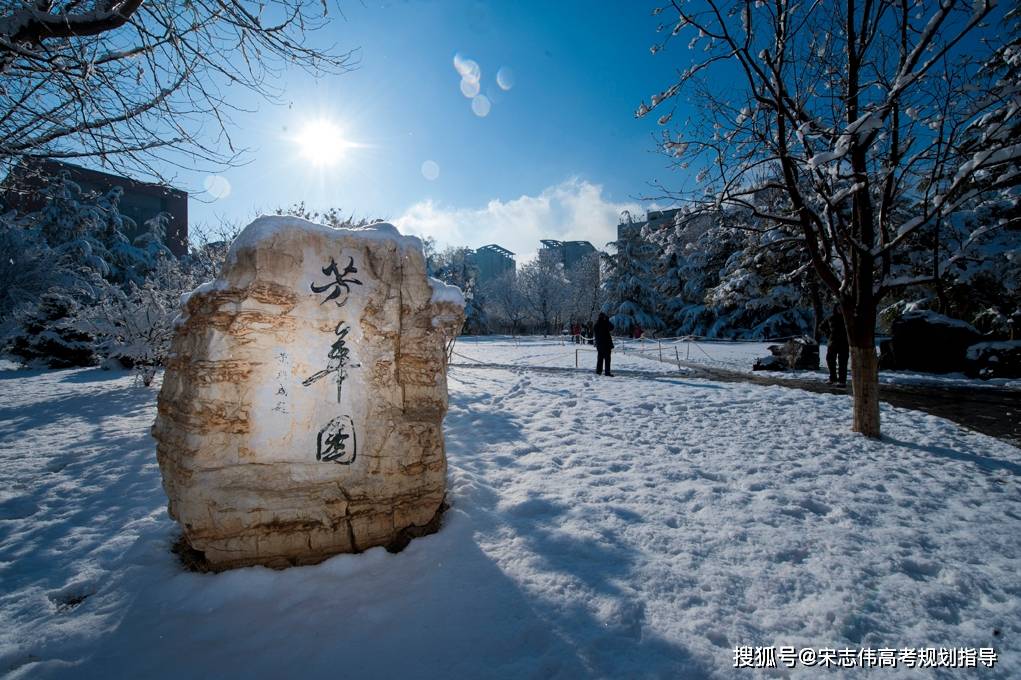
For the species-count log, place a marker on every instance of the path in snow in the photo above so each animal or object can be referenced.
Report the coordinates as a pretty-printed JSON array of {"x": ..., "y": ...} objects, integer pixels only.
[{"x": 991, "y": 409}]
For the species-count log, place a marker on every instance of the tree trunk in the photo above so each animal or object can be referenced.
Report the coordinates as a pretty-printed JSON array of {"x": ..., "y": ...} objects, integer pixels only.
[
  {"x": 818, "y": 313},
  {"x": 937, "y": 282},
  {"x": 864, "y": 377}
]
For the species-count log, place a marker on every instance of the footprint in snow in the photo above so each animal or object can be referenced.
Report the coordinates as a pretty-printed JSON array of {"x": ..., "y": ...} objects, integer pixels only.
[
  {"x": 815, "y": 506},
  {"x": 18, "y": 507},
  {"x": 920, "y": 570},
  {"x": 70, "y": 597}
]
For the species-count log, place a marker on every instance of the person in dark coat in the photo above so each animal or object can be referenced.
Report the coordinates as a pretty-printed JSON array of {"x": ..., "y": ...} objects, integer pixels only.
[
  {"x": 836, "y": 346},
  {"x": 604, "y": 343}
]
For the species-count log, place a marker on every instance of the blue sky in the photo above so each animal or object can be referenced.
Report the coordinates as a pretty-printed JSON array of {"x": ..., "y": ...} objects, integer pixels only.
[{"x": 558, "y": 156}]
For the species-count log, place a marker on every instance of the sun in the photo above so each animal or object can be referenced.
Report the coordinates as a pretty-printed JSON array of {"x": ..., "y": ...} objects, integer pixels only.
[{"x": 322, "y": 142}]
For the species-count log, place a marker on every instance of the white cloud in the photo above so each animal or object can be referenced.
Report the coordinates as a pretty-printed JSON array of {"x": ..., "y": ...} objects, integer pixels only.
[{"x": 574, "y": 210}]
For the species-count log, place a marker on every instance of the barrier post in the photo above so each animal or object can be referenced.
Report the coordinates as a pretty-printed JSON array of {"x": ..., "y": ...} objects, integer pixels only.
[
  {"x": 678, "y": 357},
  {"x": 661, "y": 350}
]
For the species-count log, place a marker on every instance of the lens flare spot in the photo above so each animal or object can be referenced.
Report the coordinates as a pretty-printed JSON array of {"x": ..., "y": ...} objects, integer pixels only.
[
  {"x": 481, "y": 106},
  {"x": 468, "y": 68},
  {"x": 217, "y": 186},
  {"x": 505, "y": 78},
  {"x": 469, "y": 88},
  {"x": 430, "y": 170}
]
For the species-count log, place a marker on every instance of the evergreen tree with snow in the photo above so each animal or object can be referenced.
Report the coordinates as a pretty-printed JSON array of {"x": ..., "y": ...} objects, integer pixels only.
[
  {"x": 631, "y": 298},
  {"x": 50, "y": 334},
  {"x": 760, "y": 293}
]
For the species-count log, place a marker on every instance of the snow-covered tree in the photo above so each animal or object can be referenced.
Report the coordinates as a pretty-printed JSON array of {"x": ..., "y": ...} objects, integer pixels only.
[
  {"x": 967, "y": 266},
  {"x": 49, "y": 333},
  {"x": 584, "y": 293},
  {"x": 851, "y": 110},
  {"x": 688, "y": 265},
  {"x": 542, "y": 285},
  {"x": 89, "y": 228},
  {"x": 631, "y": 297},
  {"x": 505, "y": 303},
  {"x": 67, "y": 263},
  {"x": 27, "y": 269},
  {"x": 762, "y": 288}
]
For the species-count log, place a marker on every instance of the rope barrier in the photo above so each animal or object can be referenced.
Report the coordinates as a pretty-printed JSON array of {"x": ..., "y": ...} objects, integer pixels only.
[
  {"x": 637, "y": 346},
  {"x": 458, "y": 354},
  {"x": 711, "y": 339}
]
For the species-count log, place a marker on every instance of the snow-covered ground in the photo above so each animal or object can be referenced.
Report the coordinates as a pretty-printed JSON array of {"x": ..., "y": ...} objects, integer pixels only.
[{"x": 637, "y": 526}]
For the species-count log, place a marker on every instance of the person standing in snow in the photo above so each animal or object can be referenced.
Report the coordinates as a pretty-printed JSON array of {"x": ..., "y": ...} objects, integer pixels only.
[
  {"x": 836, "y": 346},
  {"x": 604, "y": 343}
]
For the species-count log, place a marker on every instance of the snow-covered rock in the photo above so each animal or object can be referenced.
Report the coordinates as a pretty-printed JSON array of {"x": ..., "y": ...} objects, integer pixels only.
[
  {"x": 994, "y": 359},
  {"x": 929, "y": 342},
  {"x": 798, "y": 354},
  {"x": 301, "y": 410}
]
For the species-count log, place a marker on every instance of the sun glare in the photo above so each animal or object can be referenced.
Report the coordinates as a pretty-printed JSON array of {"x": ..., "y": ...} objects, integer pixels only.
[{"x": 322, "y": 142}]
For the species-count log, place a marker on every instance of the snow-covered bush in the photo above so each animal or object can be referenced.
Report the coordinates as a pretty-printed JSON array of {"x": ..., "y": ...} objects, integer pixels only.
[
  {"x": 133, "y": 326},
  {"x": 209, "y": 247},
  {"x": 66, "y": 264}
]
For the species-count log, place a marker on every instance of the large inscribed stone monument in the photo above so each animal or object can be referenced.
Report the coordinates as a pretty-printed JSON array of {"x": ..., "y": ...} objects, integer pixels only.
[{"x": 301, "y": 411}]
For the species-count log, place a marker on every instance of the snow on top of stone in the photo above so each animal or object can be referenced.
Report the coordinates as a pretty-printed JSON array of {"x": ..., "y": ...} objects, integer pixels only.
[
  {"x": 976, "y": 350},
  {"x": 444, "y": 292},
  {"x": 182, "y": 302},
  {"x": 267, "y": 226}
]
